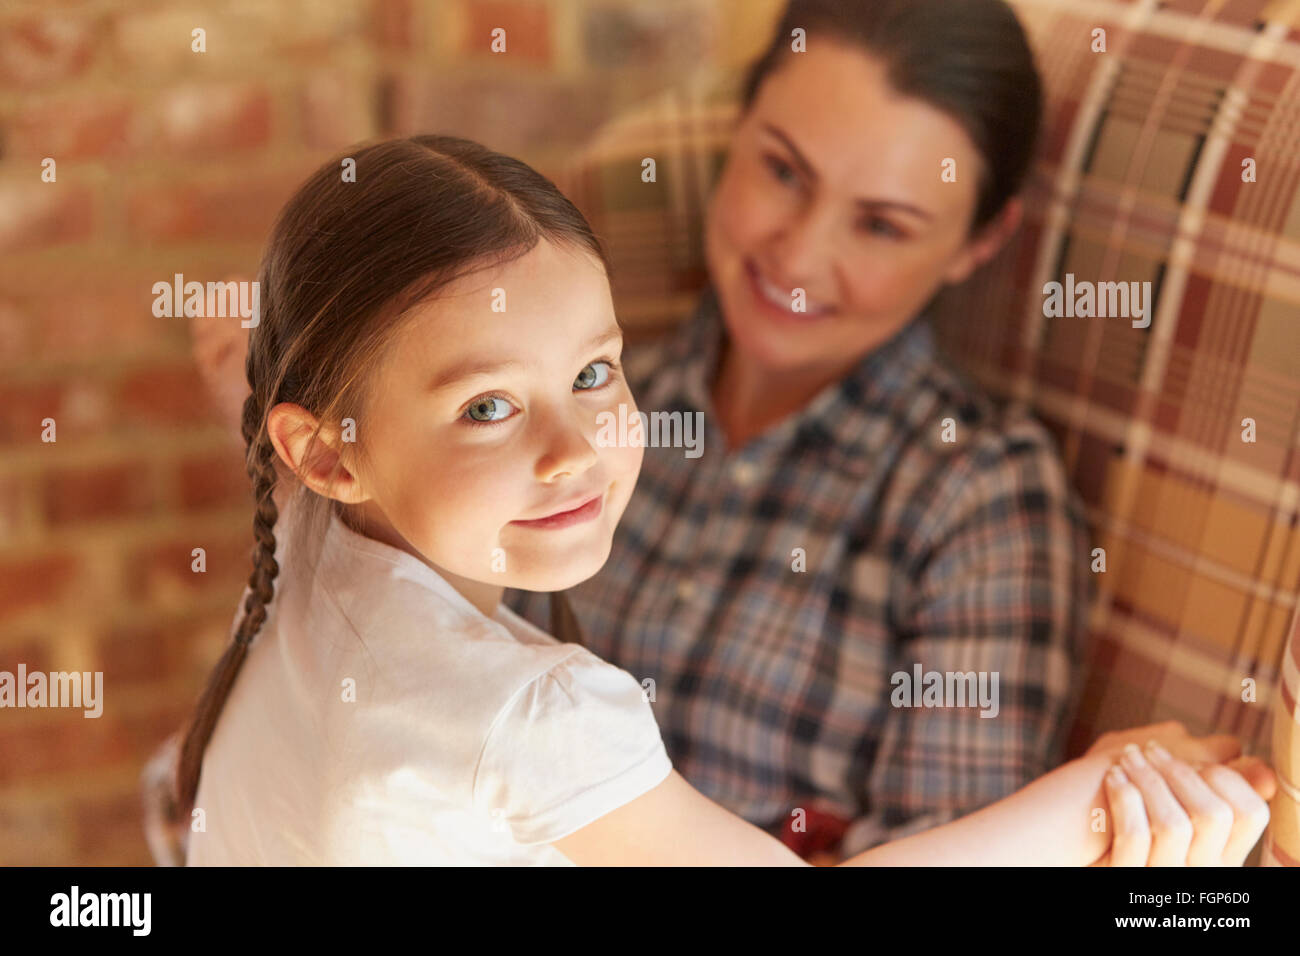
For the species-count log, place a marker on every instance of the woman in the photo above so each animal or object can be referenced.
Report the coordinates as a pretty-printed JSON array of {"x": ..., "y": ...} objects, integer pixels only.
[{"x": 859, "y": 510}]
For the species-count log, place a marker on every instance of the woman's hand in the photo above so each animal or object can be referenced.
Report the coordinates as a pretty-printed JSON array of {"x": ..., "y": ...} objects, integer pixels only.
[
  {"x": 1173, "y": 736},
  {"x": 1165, "y": 813}
]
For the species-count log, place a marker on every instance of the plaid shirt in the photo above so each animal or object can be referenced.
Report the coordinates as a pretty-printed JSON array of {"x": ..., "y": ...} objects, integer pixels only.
[{"x": 772, "y": 686}]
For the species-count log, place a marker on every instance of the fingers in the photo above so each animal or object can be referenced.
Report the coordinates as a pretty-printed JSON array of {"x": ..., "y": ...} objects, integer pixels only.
[
  {"x": 1219, "y": 748},
  {"x": 1250, "y": 812},
  {"x": 1173, "y": 736},
  {"x": 1171, "y": 829},
  {"x": 1130, "y": 840},
  {"x": 1210, "y": 815},
  {"x": 1258, "y": 774}
]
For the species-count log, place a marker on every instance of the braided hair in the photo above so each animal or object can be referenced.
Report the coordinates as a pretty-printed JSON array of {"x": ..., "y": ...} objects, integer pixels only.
[{"x": 347, "y": 259}]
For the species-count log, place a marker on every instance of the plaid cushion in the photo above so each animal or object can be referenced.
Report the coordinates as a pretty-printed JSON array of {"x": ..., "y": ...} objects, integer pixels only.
[
  {"x": 1282, "y": 842},
  {"x": 1139, "y": 179}
]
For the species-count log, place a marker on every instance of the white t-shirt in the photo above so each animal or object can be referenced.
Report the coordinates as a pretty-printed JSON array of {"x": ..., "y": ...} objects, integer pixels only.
[{"x": 380, "y": 718}]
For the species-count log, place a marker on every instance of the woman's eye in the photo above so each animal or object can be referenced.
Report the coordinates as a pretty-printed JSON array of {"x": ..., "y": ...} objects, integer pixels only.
[
  {"x": 780, "y": 170},
  {"x": 488, "y": 409},
  {"x": 589, "y": 378},
  {"x": 890, "y": 231}
]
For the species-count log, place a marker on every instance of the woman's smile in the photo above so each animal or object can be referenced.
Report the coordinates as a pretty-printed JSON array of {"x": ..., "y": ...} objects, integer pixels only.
[{"x": 779, "y": 301}]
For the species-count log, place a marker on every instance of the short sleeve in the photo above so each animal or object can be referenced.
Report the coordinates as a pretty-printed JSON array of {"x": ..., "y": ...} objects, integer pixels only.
[{"x": 573, "y": 744}]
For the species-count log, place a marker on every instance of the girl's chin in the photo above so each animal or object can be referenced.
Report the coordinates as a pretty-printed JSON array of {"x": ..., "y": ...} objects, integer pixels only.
[{"x": 556, "y": 573}]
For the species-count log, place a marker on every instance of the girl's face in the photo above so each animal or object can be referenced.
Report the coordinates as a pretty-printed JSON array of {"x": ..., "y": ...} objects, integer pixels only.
[
  {"x": 833, "y": 185},
  {"x": 482, "y": 427}
]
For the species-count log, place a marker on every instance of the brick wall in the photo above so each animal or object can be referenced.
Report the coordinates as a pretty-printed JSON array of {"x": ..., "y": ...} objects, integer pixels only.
[{"x": 170, "y": 160}]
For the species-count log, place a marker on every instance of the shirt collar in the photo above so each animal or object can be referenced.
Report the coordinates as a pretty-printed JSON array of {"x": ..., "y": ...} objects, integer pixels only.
[
  {"x": 351, "y": 561},
  {"x": 851, "y": 417}
]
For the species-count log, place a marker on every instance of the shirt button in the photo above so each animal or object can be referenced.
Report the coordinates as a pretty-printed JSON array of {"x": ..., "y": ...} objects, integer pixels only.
[
  {"x": 744, "y": 473},
  {"x": 686, "y": 589}
]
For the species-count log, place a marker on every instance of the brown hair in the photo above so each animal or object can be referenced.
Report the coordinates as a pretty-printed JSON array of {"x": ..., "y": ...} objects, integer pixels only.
[
  {"x": 346, "y": 260},
  {"x": 969, "y": 58}
]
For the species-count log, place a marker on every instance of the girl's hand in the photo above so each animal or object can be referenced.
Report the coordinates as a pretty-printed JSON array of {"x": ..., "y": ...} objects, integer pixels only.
[{"x": 1165, "y": 813}]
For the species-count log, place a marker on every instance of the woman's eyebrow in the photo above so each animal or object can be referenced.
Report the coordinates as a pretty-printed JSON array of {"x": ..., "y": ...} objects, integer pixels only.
[
  {"x": 476, "y": 368},
  {"x": 870, "y": 204}
]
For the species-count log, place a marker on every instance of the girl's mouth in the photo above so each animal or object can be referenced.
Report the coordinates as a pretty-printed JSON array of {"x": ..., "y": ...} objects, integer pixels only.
[
  {"x": 587, "y": 511},
  {"x": 779, "y": 301}
]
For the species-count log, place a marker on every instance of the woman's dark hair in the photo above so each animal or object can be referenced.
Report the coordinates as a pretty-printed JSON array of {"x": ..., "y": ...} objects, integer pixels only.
[
  {"x": 968, "y": 58},
  {"x": 347, "y": 259}
]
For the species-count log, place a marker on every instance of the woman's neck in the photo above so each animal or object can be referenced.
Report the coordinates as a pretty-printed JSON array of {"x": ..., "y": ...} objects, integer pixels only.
[{"x": 749, "y": 398}]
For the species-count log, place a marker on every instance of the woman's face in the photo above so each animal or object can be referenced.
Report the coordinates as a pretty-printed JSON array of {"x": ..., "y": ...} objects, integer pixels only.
[{"x": 834, "y": 185}]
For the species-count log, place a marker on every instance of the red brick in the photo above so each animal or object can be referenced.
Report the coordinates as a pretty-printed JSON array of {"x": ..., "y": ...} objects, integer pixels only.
[
  {"x": 133, "y": 653},
  {"x": 527, "y": 26},
  {"x": 516, "y": 112},
  {"x": 182, "y": 649},
  {"x": 26, "y": 582},
  {"x": 67, "y": 741},
  {"x": 154, "y": 571},
  {"x": 393, "y": 25},
  {"x": 106, "y": 828},
  {"x": 109, "y": 316},
  {"x": 16, "y": 327},
  {"x": 34, "y": 652},
  {"x": 235, "y": 209},
  {"x": 197, "y": 121},
  {"x": 317, "y": 37},
  {"x": 86, "y": 126},
  {"x": 13, "y": 494},
  {"x": 106, "y": 313},
  {"x": 156, "y": 42},
  {"x": 24, "y": 406},
  {"x": 34, "y": 834},
  {"x": 144, "y": 731},
  {"x": 163, "y": 395},
  {"x": 336, "y": 109},
  {"x": 41, "y": 50},
  {"x": 97, "y": 493},
  {"x": 36, "y": 214},
  {"x": 215, "y": 480}
]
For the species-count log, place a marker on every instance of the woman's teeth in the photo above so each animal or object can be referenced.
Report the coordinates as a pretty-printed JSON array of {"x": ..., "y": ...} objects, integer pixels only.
[{"x": 784, "y": 299}]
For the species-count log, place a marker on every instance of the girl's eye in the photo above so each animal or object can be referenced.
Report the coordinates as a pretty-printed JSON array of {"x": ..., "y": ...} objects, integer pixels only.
[
  {"x": 588, "y": 378},
  {"x": 488, "y": 409}
]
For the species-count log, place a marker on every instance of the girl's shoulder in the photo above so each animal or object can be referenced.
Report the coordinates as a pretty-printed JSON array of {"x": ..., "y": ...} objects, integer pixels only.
[
  {"x": 412, "y": 644},
  {"x": 572, "y": 744}
]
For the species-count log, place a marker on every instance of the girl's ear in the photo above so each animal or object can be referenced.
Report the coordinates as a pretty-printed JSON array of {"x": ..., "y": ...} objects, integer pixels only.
[{"x": 312, "y": 451}]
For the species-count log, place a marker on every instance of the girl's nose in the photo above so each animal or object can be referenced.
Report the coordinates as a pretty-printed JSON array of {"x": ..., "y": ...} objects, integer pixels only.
[{"x": 568, "y": 450}]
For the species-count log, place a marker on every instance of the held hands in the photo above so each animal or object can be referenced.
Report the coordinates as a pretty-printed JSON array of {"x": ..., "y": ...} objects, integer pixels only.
[{"x": 1175, "y": 801}]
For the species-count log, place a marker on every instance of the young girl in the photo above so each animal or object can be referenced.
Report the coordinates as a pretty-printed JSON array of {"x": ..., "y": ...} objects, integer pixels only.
[{"x": 436, "y": 344}]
